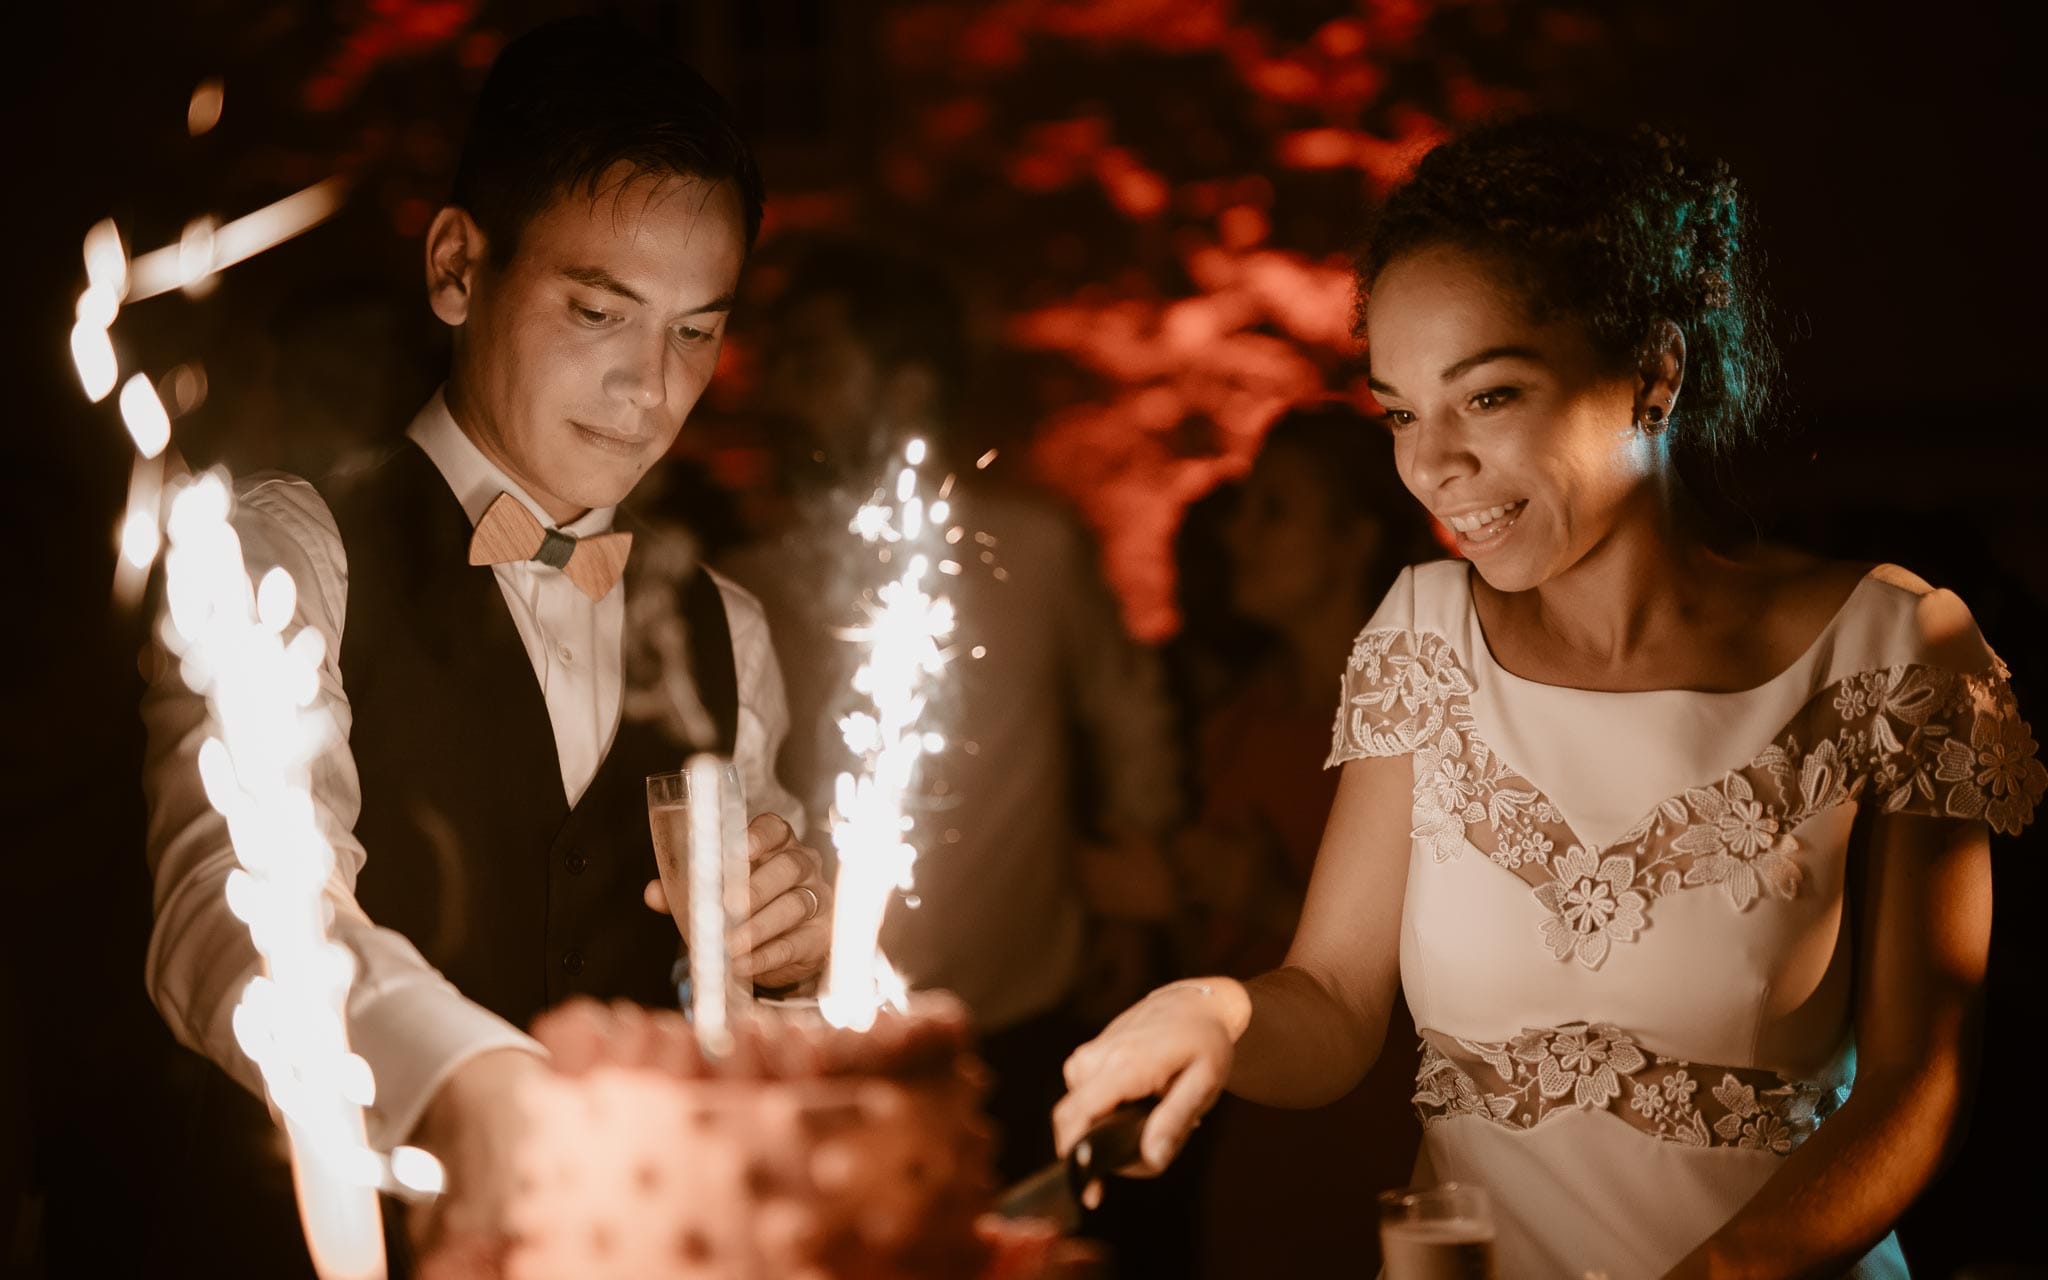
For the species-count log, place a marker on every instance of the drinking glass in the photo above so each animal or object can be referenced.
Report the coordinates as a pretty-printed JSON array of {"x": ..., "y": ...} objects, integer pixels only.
[
  {"x": 668, "y": 821},
  {"x": 1437, "y": 1233}
]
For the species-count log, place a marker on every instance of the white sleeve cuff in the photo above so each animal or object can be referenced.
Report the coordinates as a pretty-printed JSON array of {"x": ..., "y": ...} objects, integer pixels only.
[{"x": 414, "y": 1038}]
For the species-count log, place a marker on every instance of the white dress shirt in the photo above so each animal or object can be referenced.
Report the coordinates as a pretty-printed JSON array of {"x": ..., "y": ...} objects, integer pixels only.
[{"x": 404, "y": 1018}]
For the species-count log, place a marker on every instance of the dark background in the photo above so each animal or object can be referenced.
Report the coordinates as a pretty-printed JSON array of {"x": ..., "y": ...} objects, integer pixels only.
[{"x": 1888, "y": 149}]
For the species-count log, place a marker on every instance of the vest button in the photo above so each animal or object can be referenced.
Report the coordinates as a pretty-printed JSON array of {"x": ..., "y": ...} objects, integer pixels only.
[
  {"x": 574, "y": 862},
  {"x": 572, "y": 961}
]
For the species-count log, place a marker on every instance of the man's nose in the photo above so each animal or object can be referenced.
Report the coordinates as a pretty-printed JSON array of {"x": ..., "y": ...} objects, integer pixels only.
[{"x": 638, "y": 374}]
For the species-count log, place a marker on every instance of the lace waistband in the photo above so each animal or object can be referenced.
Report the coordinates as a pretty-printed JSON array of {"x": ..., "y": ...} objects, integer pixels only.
[{"x": 1521, "y": 1082}]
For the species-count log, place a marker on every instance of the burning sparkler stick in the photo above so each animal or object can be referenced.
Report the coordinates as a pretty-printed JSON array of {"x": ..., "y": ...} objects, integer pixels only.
[
  {"x": 256, "y": 768},
  {"x": 719, "y": 898},
  {"x": 871, "y": 829}
]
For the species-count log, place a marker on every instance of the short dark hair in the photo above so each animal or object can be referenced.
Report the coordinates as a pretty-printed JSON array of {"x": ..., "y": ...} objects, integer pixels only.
[
  {"x": 905, "y": 309},
  {"x": 1352, "y": 457},
  {"x": 566, "y": 102},
  {"x": 1619, "y": 231}
]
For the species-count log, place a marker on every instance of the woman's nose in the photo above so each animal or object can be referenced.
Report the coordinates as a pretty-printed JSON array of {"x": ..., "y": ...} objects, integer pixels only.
[{"x": 1437, "y": 454}]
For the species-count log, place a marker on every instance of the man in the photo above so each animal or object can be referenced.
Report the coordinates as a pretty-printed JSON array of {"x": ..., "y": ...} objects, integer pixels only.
[
  {"x": 867, "y": 349},
  {"x": 485, "y": 797}
]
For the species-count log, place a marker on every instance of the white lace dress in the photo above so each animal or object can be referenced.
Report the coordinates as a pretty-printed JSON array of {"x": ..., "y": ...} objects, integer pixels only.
[{"x": 1625, "y": 941}]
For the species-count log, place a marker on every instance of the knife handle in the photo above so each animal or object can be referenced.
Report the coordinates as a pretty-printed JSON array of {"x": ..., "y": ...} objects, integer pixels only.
[{"x": 1111, "y": 1144}]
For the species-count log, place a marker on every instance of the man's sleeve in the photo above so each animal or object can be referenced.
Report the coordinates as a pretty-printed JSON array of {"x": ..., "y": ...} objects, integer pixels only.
[
  {"x": 1119, "y": 697},
  {"x": 404, "y": 1018},
  {"x": 764, "y": 706}
]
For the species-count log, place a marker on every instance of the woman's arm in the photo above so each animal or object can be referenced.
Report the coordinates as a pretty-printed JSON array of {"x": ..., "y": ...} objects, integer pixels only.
[
  {"x": 1299, "y": 1036},
  {"x": 1925, "y": 920},
  {"x": 1318, "y": 1021}
]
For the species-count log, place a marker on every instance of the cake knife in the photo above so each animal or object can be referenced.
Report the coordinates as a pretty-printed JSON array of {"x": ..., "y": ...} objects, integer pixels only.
[{"x": 1054, "y": 1192}]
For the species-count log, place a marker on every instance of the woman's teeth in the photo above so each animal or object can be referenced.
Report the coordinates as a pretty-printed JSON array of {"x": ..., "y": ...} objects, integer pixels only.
[{"x": 1480, "y": 526}]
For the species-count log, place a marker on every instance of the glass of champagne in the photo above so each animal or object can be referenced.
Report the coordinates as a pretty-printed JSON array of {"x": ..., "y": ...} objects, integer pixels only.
[
  {"x": 1437, "y": 1233},
  {"x": 668, "y": 821}
]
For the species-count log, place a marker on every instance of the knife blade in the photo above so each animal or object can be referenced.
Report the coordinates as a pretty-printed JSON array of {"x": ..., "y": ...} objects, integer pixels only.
[{"x": 1054, "y": 1192}]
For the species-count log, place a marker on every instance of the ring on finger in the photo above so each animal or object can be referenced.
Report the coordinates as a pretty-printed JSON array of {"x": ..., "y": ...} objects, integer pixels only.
[{"x": 816, "y": 904}]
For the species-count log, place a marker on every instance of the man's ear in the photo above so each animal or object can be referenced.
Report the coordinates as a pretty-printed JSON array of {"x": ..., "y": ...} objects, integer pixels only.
[{"x": 455, "y": 256}]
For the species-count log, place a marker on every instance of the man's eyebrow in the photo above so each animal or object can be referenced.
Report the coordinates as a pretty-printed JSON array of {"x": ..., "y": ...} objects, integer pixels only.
[
  {"x": 723, "y": 302},
  {"x": 599, "y": 278},
  {"x": 1473, "y": 361}
]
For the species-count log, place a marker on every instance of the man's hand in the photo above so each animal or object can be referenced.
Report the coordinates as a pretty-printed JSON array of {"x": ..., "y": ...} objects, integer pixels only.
[
  {"x": 786, "y": 939},
  {"x": 472, "y": 1126}
]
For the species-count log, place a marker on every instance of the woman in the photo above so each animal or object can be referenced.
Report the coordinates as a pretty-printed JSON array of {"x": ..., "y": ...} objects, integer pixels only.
[
  {"x": 1668, "y": 844},
  {"x": 1320, "y": 531}
]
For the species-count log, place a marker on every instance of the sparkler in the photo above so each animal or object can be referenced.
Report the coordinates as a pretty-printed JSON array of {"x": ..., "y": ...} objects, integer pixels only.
[
  {"x": 718, "y": 902},
  {"x": 871, "y": 829},
  {"x": 256, "y": 769}
]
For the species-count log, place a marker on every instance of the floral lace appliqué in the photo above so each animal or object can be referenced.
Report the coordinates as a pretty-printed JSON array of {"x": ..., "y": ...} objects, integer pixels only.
[
  {"x": 1916, "y": 739},
  {"x": 1596, "y": 1067}
]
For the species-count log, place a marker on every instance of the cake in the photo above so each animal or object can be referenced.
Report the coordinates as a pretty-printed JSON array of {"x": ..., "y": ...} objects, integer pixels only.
[{"x": 809, "y": 1153}]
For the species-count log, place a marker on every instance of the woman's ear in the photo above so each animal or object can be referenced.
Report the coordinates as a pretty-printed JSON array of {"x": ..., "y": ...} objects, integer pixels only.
[
  {"x": 1659, "y": 375},
  {"x": 455, "y": 254}
]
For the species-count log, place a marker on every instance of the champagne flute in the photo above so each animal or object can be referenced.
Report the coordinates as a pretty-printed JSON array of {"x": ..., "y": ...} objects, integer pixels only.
[
  {"x": 1437, "y": 1233},
  {"x": 669, "y": 820}
]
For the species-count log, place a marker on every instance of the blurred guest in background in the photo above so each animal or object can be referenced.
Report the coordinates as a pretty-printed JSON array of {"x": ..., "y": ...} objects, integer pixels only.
[
  {"x": 866, "y": 350},
  {"x": 1320, "y": 530}
]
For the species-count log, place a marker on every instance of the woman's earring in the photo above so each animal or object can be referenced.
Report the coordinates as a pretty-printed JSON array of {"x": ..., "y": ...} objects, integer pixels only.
[{"x": 1653, "y": 417}]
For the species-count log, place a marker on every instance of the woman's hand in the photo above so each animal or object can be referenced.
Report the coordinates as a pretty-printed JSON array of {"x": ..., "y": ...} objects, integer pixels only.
[{"x": 1177, "y": 1045}]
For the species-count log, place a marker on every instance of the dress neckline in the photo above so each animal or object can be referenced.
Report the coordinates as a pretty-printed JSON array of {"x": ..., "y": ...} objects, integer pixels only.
[{"x": 1485, "y": 657}]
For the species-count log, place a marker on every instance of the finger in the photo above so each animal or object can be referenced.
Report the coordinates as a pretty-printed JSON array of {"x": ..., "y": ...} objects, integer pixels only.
[
  {"x": 656, "y": 897},
  {"x": 808, "y": 945},
  {"x": 772, "y": 921},
  {"x": 1116, "y": 1078},
  {"x": 1190, "y": 1095},
  {"x": 1081, "y": 1064},
  {"x": 767, "y": 833},
  {"x": 776, "y": 875}
]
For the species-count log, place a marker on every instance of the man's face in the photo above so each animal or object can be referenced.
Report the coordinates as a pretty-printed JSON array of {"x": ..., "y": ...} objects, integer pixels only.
[{"x": 576, "y": 362}]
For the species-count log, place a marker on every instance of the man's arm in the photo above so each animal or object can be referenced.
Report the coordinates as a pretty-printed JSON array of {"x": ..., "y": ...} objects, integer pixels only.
[
  {"x": 764, "y": 708},
  {"x": 411, "y": 1025}
]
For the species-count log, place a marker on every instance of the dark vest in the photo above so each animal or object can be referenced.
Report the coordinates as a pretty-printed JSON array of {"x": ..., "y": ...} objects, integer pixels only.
[{"x": 471, "y": 849}]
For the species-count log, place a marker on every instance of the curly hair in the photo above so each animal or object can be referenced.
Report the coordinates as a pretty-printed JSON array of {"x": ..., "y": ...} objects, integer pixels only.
[{"x": 1618, "y": 231}]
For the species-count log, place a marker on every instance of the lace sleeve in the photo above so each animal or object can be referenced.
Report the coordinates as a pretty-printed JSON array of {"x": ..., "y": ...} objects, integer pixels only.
[
  {"x": 1945, "y": 744},
  {"x": 1397, "y": 691}
]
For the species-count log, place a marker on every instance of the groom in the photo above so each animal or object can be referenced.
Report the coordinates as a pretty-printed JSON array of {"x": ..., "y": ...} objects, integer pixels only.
[{"x": 484, "y": 795}]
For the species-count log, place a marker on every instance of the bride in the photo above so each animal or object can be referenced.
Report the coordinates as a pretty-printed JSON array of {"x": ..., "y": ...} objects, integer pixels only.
[{"x": 1679, "y": 852}]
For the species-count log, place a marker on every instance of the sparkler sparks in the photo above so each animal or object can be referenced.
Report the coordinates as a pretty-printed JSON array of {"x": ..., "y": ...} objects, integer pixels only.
[
  {"x": 256, "y": 770},
  {"x": 903, "y": 633}
]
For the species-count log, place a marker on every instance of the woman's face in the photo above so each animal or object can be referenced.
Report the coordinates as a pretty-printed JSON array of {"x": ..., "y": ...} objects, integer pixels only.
[
  {"x": 1515, "y": 435},
  {"x": 1289, "y": 551}
]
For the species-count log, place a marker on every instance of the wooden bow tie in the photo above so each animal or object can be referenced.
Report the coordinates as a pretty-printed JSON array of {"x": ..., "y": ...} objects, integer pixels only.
[{"x": 509, "y": 533}]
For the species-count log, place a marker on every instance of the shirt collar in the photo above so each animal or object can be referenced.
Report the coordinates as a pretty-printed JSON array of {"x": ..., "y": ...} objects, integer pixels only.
[{"x": 476, "y": 480}]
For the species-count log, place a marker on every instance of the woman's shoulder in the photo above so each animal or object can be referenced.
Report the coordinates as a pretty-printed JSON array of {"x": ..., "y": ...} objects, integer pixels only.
[{"x": 1424, "y": 597}]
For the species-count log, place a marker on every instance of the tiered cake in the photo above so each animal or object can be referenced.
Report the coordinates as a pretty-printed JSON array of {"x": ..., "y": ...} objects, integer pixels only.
[{"x": 810, "y": 1153}]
